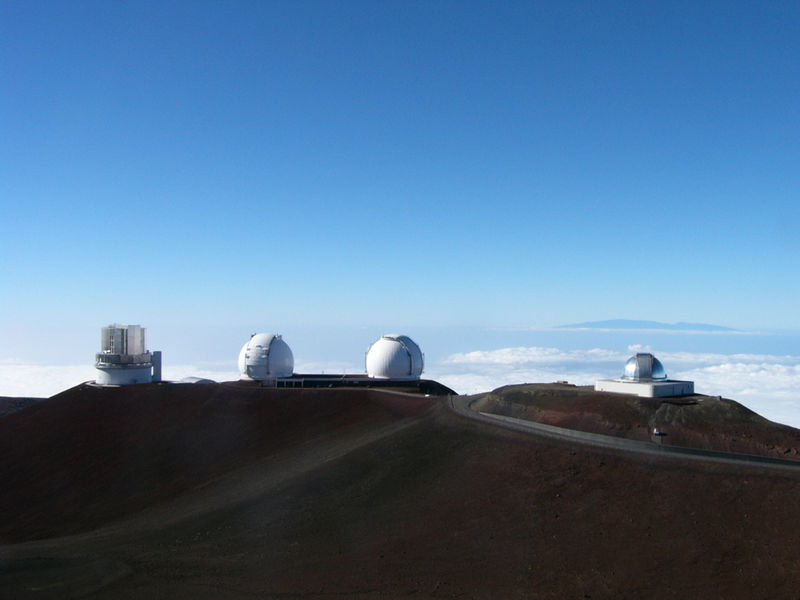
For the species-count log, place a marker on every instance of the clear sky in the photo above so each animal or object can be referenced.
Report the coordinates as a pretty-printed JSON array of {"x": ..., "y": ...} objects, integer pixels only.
[{"x": 269, "y": 165}]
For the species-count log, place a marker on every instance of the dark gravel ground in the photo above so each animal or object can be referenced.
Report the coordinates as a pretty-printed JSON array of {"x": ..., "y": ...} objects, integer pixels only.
[
  {"x": 9, "y": 405},
  {"x": 231, "y": 491}
]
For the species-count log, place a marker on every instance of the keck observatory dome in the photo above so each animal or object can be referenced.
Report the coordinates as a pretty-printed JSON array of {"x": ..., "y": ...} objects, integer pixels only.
[
  {"x": 265, "y": 356},
  {"x": 643, "y": 367},
  {"x": 394, "y": 356}
]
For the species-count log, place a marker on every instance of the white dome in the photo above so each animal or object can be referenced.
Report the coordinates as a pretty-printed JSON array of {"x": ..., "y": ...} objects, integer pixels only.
[
  {"x": 642, "y": 367},
  {"x": 197, "y": 380},
  {"x": 394, "y": 356},
  {"x": 265, "y": 356}
]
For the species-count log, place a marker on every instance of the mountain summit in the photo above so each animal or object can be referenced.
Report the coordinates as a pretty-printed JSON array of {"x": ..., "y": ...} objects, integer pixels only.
[
  {"x": 635, "y": 324},
  {"x": 238, "y": 491}
]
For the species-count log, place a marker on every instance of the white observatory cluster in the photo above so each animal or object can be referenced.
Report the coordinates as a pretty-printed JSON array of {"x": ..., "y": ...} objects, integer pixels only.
[
  {"x": 265, "y": 356},
  {"x": 644, "y": 376},
  {"x": 394, "y": 356},
  {"x": 124, "y": 358}
]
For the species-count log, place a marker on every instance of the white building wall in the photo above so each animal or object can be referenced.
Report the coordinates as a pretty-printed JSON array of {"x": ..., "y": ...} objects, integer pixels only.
[
  {"x": 123, "y": 375},
  {"x": 137, "y": 344},
  {"x": 646, "y": 389}
]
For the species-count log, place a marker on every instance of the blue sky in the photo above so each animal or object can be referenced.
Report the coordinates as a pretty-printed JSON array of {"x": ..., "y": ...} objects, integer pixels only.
[{"x": 276, "y": 166}]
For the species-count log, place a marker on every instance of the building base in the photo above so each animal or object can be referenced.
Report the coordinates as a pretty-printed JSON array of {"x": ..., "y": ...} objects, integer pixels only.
[
  {"x": 123, "y": 375},
  {"x": 646, "y": 389}
]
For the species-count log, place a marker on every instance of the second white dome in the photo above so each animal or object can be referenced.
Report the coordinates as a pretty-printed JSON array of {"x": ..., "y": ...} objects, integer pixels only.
[{"x": 394, "y": 356}]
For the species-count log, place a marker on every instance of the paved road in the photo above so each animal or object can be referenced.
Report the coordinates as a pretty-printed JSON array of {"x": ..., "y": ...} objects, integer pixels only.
[{"x": 461, "y": 406}]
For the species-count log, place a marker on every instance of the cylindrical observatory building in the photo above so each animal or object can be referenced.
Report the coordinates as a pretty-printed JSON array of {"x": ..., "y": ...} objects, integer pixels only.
[{"x": 124, "y": 358}]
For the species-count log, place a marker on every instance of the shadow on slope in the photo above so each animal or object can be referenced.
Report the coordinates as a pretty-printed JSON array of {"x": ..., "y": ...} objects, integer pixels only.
[
  {"x": 91, "y": 455},
  {"x": 9, "y": 405}
]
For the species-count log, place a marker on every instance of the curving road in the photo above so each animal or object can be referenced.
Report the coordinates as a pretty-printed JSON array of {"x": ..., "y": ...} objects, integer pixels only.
[{"x": 461, "y": 406}]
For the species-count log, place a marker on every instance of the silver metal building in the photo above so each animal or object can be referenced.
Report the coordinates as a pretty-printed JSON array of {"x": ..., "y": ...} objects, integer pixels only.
[
  {"x": 644, "y": 367},
  {"x": 124, "y": 358},
  {"x": 645, "y": 376}
]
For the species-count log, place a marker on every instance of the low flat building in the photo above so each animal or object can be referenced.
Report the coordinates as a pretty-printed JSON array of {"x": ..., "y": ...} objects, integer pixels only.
[{"x": 645, "y": 376}]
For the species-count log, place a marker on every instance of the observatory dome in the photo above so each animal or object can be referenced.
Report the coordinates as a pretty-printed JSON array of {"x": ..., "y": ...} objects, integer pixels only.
[
  {"x": 124, "y": 358},
  {"x": 264, "y": 356},
  {"x": 394, "y": 356},
  {"x": 643, "y": 367}
]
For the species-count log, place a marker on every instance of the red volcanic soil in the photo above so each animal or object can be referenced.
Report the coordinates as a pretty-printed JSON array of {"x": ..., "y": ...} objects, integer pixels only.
[
  {"x": 707, "y": 422},
  {"x": 233, "y": 491}
]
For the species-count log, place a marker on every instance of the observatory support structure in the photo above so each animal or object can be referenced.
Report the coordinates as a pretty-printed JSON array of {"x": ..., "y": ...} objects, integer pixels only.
[{"x": 156, "y": 365}]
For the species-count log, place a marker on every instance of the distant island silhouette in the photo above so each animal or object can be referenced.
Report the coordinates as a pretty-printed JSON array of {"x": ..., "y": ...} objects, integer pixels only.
[{"x": 634, "y": 324}]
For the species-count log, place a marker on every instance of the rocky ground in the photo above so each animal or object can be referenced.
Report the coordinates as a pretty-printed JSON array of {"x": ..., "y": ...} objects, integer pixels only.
[{"x": 234, "y": 491}]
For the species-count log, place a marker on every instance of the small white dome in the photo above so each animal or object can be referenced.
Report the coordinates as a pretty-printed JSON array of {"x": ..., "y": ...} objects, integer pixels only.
[
  {"x": 264, "y": 356},
  {"x": 643, "y": 367},
  {"x": 394, "y": 356}
]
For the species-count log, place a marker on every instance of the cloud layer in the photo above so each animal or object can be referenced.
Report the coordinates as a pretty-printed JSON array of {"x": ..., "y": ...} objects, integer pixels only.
[{"x": 40, "y": 381}]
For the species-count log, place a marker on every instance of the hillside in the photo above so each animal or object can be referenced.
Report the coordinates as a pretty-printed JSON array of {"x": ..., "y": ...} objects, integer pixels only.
[
  {"x": 234, "y": 491},
  {"x": 90, "y": 455},
  {"x": 10, "y": 405},
  {"x": 706, "y": 422}
]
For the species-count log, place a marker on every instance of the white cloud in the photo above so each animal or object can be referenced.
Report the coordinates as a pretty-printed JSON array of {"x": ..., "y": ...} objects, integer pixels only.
[
  {"x": 704, "y": 358},
  {"x": 533, "y": 355},
  {"x": 639, "y": 348},
  {"x": 772, "y": 390},
  {"x": 40, "y": 381}
]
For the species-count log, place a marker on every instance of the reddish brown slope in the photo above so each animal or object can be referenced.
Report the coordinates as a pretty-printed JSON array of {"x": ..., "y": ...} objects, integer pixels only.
[
  {"x": 90, "y": 455},
  {"x": 10, "y": 405},
  {"x": 706, "y": 422},
  {"x": 444, "y": 507},
  {"x": 450, "y": 510}
]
